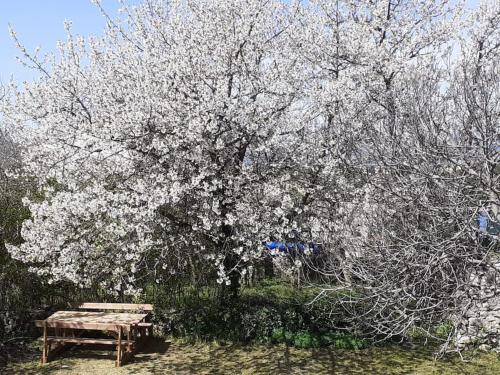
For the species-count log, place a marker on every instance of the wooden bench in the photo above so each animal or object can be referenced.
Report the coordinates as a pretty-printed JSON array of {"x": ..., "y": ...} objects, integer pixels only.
[
  {"x": 82, "y": 340},
  {"x": 145, "y": 328},
  {"x": 125, "y": 322},
  {"x": 65, "y": 334}
]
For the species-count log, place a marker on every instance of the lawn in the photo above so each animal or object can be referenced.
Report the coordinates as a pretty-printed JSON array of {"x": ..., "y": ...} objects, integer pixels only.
[{"x": 175, "y": 357}]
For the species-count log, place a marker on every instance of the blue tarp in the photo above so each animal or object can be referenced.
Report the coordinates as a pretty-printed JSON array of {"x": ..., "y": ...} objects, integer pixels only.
[
  {"x": 286, "y": 247},
  {"x": 488, "y": 226},
  {"x": 483, "y": 222}
]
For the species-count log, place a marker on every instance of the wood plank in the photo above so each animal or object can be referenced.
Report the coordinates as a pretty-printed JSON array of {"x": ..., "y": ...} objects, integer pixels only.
[
  {"x": 144, "y": 324},
  {"x": 98, "y": 317},
  {"x": 92, "y": 320},
  {"x": 82, "y": 340},
  {"x": 81, "y": 325},
  {"x": 113, "y": 306}
]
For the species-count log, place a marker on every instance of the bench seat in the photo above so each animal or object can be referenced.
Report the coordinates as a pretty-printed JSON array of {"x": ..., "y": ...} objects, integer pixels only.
[{"x": 82, "y": 340}]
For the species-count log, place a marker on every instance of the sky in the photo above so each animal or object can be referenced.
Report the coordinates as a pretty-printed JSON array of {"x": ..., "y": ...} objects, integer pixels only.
[{"x": 39, "y": 23}]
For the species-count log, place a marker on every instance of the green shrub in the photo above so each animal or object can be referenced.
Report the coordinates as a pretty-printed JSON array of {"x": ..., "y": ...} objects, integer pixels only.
[
  {"x": 268, "y": 320},
  {"x": 443, "y": 329},
  {"x": 306, "y": 339},
  {"x": 271, "y": 312},
  {"x": 343, "y": 341}
]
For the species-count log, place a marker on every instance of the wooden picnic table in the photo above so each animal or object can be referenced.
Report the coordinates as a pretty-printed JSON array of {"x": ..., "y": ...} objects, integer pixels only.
[{"x": 124, "y": 327}]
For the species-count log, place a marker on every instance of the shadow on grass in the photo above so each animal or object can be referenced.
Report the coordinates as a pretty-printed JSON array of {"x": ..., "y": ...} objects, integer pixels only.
[
  {"x": 99, "y": 357},
  {"x": 164, "y": 357},
  {"x": 281, "y": 359}
]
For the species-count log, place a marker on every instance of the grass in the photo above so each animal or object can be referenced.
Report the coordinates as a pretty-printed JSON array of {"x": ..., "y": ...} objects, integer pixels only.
[{"x": 176, "y": 357}]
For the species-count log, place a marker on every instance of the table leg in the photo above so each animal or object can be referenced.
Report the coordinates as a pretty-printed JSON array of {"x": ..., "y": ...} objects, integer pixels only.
[
  {"x": 45, "y": 349},
  {"x": 129, "y": 338},
  {"x": 119, "y": 348}
]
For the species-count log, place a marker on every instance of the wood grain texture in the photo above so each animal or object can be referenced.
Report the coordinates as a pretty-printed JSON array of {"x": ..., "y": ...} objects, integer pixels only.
[{"x": 113, "y": 306}]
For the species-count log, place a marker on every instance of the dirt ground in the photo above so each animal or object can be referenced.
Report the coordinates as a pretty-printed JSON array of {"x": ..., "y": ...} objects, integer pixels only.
[{"x": 173, "y": 357}]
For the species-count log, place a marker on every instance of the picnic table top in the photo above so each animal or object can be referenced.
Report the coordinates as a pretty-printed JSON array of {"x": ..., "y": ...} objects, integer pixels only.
[{"x": 96, "y": 317}]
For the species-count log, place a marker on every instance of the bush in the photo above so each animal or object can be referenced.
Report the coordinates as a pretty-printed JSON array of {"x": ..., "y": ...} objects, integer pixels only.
[
  {"x": 306, "y": 339},
  {"x": 271, "y": 312},
  {"x": 343, "y": 341}
]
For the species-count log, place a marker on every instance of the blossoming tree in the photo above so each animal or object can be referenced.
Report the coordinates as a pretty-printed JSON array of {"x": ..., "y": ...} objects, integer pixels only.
[{"x": 157, "y": 144}]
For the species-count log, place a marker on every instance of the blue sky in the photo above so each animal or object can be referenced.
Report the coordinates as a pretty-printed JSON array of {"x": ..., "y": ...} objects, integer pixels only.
[{"x": 40, "y": 23}]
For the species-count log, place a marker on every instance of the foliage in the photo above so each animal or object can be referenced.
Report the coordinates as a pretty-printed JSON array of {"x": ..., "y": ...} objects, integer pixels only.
[
  {"x": 272, "y": 311},
  {"x": 192, "y": 131}
]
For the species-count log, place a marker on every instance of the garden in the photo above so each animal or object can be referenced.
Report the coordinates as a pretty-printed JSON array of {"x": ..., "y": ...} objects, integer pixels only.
[{"x": 274, "y": 187}]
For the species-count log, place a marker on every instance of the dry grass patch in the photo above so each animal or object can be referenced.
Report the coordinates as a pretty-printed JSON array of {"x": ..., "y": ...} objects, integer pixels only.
[{"x": 174, "y": 357}]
